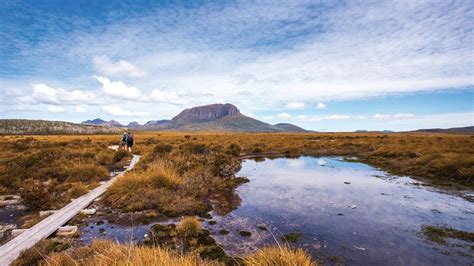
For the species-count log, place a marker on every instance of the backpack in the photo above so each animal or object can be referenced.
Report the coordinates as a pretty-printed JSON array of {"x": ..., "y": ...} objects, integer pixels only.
[{"x": 130, "y": 139}]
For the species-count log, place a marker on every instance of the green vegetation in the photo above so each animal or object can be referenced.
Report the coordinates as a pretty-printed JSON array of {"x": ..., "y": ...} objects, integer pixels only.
[{"x": 441, "y": 235}]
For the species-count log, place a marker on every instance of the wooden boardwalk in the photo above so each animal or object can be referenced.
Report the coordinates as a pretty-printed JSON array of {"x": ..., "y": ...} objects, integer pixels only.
[{"x": 12, "y": 249}]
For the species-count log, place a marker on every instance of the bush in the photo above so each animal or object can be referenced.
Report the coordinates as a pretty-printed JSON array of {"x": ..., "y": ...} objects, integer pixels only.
[
  {"x": 195, "y": 148},
  {"x": 86, "y": 172},
  {"x": 119, "y": 155},
  {"x": 162, "y": 149},
  {"x": 77, "y": 190},
  {"x": 189, "y": 227},
  {"x": 233, "y": 149},
  {"x": 36, "y": 195},
  {"x": 224, "y": 165}
]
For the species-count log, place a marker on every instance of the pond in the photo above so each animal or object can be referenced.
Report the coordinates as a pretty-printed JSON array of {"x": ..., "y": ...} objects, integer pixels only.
[{"x": 341, "y": 211}]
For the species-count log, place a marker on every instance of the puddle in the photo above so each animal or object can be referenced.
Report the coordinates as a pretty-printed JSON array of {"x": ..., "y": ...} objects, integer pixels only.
[{"x": 346, "y": 211}]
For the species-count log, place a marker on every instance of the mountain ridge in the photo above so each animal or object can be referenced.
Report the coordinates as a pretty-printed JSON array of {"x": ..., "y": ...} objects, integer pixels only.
[{"x": 212, "y": 117}]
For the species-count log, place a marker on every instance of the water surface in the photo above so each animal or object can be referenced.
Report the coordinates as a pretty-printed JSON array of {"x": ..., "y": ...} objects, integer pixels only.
[{"x": 348, "y": 212}]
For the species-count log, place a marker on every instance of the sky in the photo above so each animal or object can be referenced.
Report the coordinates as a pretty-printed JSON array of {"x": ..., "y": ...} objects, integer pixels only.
[{"x": 323, "y": 65}]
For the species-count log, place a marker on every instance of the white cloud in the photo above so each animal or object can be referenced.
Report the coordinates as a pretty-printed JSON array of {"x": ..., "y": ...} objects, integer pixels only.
[
  {"x": 321, "y": 106},
  {"x": 118, "y": 111},
  {"x": 56, "y": 109},
  {"x": 284, "y": 115},
  {"x": 401, "y": 116},
  {"x": 45, "y": 94},
  {"x": 118, "y": 89},
  {"x": 295, "y": 105},
  {"x": 166, "y": 97},
  {"x": 80, "y": 109},
  {"x": 120, "y": 68},
  {"x": 338, "y": 117}
]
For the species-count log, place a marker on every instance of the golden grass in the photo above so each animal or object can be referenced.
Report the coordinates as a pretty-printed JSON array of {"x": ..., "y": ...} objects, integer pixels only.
[
  {"x": 106, "y": 252},
  {"x": 276, "y": 256},
  {"x": 140, "y": 190},
  {"x": 189, "y": 227}
]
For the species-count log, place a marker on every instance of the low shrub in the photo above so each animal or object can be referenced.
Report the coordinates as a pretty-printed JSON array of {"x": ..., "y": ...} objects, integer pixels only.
[
  {"x": 224, "y": 165},
  {"x": 86, "y": 172},
  {"x": 119, "y": 155},
  {"x": 77, "y": 190},
  {"x": 162, "y": 149},
  {"x": 36, "y": 195},
  {"x": 233, "y": 149}
]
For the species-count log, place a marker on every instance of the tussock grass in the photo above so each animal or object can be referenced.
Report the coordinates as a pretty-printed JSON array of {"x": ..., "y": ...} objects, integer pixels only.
[
  {"x": 189, "y": 227},
  {"x": 106, "y": 252},
  {"x": 146, "y": 189},
  {"x": 276, "y": 256}
]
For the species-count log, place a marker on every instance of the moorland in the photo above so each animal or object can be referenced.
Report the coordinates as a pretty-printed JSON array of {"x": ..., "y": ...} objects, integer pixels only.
[{"x": 191, "y": 173}]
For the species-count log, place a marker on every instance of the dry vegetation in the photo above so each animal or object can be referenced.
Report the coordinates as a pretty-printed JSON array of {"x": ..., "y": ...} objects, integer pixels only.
[
  {"x": 441, "y": 158},
  {"x": 107, "y": 252},
  {"x": 49, "y": 171},
  {"x": 180, "y": 172}
]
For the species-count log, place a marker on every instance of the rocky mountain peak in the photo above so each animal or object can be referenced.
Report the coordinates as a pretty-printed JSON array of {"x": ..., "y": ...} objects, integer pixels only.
[{"x": 207, "y": 113}]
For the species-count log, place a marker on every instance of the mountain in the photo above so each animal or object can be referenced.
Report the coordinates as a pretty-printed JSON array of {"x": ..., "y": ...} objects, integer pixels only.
[
  {"x": 207, "y": 113},
  {"x": 155, "y": 124},
  {"x": 222, "y": 117},
  {"x": 213, "y": 117},
  {"x": 134, "y": 125},
  {"x": 454, "y": 130},
  {"x": 96, "y": 121},
  {"x": 290, "y": 127},
  {"x": 42, "y": 127},
  {"x": 101, "y": 122}
]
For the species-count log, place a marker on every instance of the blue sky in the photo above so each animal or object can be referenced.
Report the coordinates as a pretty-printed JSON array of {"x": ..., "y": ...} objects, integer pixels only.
[{"x": 323, "y": 65}]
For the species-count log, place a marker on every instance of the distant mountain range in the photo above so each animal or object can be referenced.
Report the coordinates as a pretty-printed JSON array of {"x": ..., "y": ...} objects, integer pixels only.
[
  {"x": 101, "y": 122},
  {"x": 458, "y": 130},
  {"x": 214, "y": 117}
]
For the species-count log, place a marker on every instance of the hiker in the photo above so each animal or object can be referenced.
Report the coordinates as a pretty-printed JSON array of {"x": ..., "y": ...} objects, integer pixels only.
[
  {"x": 129, "y": 142},
  {"x": 124, "y": 141}
]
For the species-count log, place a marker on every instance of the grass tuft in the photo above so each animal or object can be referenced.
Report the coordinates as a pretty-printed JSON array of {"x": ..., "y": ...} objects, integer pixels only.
[
  {"x": 274, "y": 256},
  {"x": 189, "y": 227}
]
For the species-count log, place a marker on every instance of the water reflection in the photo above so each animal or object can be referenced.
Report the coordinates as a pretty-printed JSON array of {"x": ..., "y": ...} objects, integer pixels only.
[{"x": 347, "y": 211}]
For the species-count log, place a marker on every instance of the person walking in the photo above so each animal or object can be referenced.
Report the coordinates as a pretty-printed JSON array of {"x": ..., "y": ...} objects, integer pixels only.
[
  {"x": 129, "y": 142},
  {"x": 123, "y": 145}
]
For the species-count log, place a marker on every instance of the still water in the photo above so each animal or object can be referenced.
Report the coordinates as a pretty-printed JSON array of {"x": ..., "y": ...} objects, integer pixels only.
[{"x": 345, "y": 212}]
